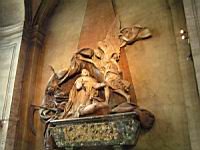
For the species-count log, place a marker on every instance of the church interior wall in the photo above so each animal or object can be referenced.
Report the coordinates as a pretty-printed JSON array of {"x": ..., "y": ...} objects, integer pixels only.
[{"x": 163, "y": 78}]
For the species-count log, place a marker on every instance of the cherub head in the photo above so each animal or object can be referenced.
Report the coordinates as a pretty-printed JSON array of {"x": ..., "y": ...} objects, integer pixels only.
[
  {"x": 85, "y": 72},
  {"x": 99, "y": 53},
  {"x": 115, "y": 56},
  {"x": 102, "y": 45}
]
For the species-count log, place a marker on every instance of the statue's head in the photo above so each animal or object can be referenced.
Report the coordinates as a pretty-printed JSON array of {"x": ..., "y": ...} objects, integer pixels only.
[
  {"x": 115, "y": 56},
  {"x": 85, "y": 72},
  {"x": 99, "y": 53},
  {"x": 102, "y": 45}
]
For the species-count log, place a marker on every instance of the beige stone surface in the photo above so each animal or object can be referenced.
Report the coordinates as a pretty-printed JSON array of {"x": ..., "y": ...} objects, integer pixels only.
[
  {"x": 159, "y": 71},
  {"x": 163, "y": 79}
]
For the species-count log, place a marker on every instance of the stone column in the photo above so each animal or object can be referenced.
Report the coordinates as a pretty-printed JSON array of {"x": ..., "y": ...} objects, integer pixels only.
[
  {"x": 11, "y": 26},
  {"x": 33, "y": 55},
  {"x": 35, "y": 33}
]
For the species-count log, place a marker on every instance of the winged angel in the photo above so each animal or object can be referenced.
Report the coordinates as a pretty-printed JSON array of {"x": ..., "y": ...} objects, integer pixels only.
[{"x": 87, "y": 86}]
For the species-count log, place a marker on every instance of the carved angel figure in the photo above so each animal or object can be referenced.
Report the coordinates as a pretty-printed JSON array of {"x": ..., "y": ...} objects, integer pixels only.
[{"x": 103, "y": 60}]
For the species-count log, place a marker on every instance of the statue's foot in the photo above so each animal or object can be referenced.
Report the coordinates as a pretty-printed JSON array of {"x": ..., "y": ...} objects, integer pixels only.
[
  {"x": 124, "y": 107},
  {"x": 97, "y": 108}
]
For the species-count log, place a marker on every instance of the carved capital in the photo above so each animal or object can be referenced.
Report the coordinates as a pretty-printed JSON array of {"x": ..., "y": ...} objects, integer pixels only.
[{"x": 39, "y": 22}]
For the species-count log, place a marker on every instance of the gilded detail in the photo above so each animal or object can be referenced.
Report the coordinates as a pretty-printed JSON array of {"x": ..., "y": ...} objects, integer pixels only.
[
  {"x": 94, "y": 132},
  {"x": 123, "y": 131}
]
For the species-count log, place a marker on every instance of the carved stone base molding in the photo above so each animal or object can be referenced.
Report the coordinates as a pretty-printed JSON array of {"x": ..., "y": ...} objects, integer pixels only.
[{"x": 115, "y": 130}]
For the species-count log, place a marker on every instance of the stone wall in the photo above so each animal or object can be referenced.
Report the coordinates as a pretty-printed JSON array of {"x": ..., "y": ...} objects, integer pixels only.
[
  {"x": 163, "y": 79},
  {"x": 192, "y": 14}
]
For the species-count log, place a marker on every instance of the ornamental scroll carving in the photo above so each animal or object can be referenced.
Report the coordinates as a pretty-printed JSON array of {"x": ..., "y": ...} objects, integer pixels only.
[{"x": 87, "y": 86}]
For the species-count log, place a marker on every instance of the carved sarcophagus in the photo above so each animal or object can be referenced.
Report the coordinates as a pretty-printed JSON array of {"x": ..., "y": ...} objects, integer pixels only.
[{"x": 116, "y": 130}]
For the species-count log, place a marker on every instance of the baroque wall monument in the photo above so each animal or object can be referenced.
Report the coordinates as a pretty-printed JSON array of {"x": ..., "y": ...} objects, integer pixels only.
[{"x": 161, "y": 72}]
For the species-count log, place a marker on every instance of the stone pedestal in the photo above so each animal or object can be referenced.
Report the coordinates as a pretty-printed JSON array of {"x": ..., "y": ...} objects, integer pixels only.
[{"x": 115, "y": 130}]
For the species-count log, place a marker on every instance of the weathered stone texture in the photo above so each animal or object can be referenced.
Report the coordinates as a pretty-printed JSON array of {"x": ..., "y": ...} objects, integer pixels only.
[
  {"x": 160, "y": 71},
  {"x": 192, "y": 14},
  {"x": 164, "y": 80},
  {"x": 111, "y": 130}
]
